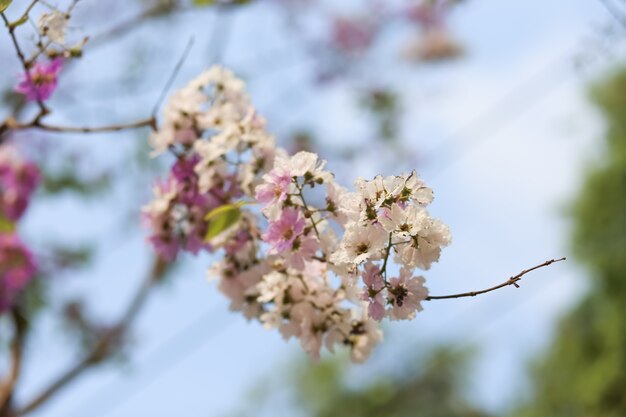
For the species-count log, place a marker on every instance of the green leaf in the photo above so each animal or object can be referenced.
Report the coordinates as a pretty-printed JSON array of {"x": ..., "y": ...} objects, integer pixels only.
[
  {"x": 4, "y": 4},
  {"x": 6, "y": 225},
  {"x": 222, "y": 218},
  {"x": 200, "y": 2}
]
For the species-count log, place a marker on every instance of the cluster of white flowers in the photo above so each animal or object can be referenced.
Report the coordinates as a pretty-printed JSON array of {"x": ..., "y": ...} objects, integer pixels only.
[{"x": 316, "y": 266}]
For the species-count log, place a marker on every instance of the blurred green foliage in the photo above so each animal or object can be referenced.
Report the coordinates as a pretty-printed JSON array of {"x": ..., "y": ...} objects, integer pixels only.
[
  {"x": 383, "y": 105},
  {"x": 583, "y": 373},
  {"x": 426, "y": 387},
  {"x": 71, "y": 181},
  {"x": 423, "y": 383}
]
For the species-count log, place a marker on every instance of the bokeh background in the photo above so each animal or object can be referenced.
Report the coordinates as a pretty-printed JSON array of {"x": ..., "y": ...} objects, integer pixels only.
[{"x": 514, "y": 114}]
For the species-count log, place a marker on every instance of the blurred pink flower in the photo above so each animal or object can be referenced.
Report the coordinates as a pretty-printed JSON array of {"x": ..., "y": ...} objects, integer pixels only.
[
  {"x": 18, "y": 181},
  {"x": 17, "y": 269},
  {"x": 429, "y": 14},
  {"x": 352, "y": 35},
  {"x": 40, "y": 81}
]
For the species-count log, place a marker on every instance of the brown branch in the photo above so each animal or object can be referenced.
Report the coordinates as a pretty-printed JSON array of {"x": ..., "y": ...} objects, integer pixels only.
[
  {"x": 12, "y": 124},
  {"x": 43, "y": 110},
  {"x": 7, "y": 387},
  {"x": 108, "y": 343},
  {"x": 511, "y": 281}
]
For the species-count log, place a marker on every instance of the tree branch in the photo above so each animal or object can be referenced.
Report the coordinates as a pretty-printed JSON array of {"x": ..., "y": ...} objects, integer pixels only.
[
  {"x": 7, "y": 387},
  {"x": 12, "y": 124},
  {"x": 511, "y": 281},
  {"x": 108, "y": 343}
]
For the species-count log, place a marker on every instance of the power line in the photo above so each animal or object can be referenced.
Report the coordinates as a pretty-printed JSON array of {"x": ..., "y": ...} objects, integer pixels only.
[
  {"x": 512, "y": 105},
  {"x": 614, "y": 12},
  {"x": 509, "y": 108},
  {"x": 166, "y": 356}
]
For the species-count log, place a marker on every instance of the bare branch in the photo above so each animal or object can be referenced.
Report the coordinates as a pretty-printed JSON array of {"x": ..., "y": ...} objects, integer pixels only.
[
  {"x": 7, "y": 387},
  {"x": 511, "y": 281},
  {"x": 12, "y": 124},
  {"x": 108, "y": 343}
]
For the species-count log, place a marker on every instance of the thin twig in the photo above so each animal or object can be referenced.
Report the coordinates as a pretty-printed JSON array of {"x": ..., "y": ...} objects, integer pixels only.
[
  {"x": 511, "y": 281},
  {"x": 107, "y": 344},
  {"x": 172, "y": 77},
  {"x": 28, "y": 9},
  {"x": 383, "y": 269}
]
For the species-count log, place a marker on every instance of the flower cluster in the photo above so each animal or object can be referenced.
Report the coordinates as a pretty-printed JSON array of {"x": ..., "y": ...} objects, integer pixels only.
[
  {"x": 18, "y": 181},
  {"x": 42, "y": 68},
  {"x": 309, "y": 258},
  {"x": 221, "y": 148},
  {"x": 176, "y": 216}
]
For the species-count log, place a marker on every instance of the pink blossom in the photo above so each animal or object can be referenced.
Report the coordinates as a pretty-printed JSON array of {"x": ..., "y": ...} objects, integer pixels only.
[
  {"x": 303, "y": 249},
  {"x": 18, "y": 181},
  {"x": 275, "y": 189},
  {"x": 406, "y": 294},
  {"x": 282, "y": 232},
  {"x": 426, "y": 13},
  {"x": 238, "y": 242},
  {"x": 352, "y": 35},
  {"x": 17, "y": 269},
  {"x": 177, "y": 216},
  {"x": 373, "y": 279},
  {"x": 40, "y": 81},
  {"x": 165, "y": 246},
  {"x": 178, "y": 228}
]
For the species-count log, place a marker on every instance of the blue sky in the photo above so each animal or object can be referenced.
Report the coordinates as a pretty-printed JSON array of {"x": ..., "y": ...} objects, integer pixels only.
[{"x": 503, "y": 173}]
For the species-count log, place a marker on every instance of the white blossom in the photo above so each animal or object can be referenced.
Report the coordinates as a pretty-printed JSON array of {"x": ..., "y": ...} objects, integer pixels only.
[
  {"x": 405, "y": 294},
  {"x": 53, "y": 25},
  {"x": 360, "y": 244}
]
